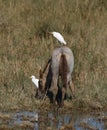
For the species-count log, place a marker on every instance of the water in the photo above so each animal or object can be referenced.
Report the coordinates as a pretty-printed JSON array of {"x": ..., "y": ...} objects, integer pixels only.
[{"x": 55, "y": 120}]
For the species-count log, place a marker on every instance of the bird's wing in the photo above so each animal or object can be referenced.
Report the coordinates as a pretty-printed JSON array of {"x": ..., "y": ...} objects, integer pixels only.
[
  {"x": 59, "y": 37},
  {"x": 35, "y": 81}
]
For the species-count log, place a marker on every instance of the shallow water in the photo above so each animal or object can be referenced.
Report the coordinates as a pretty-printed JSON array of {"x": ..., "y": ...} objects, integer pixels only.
[{"x": 57, "y": 119}]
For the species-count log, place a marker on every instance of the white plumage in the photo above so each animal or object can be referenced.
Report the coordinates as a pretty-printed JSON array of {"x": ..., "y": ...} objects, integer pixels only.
[
  {"x": 35, "y": 81},
  {"x": 59, "y": 37}
]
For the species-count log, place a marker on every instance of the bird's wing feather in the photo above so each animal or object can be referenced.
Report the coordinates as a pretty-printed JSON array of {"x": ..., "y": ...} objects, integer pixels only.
[
  {"x": 59, "y": 37},
  {"x": 35, "y": 81}
]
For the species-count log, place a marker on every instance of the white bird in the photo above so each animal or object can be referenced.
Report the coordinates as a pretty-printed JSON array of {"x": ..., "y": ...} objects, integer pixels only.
[
  {"x": 59, "y": 37},
  {"x": 35, "y": 81}
]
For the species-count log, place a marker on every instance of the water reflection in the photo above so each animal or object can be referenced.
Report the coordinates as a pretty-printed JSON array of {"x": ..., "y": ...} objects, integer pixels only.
[
  {"x": 55, "y": 120},
  {"x": 91, "y": 122}
]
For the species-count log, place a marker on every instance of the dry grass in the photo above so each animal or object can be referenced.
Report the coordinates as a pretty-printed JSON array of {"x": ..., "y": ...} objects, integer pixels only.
[{"x": 25, "y": 46}]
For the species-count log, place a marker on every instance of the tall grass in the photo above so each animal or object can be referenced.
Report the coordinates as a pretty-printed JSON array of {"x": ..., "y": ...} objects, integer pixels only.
[{"x": 25, "y": 45}]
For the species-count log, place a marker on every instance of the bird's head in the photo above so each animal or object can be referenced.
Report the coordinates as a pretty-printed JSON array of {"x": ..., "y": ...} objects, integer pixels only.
[
  {"x": 53, "y": 33},
  {"x": 32, "y": 77}
]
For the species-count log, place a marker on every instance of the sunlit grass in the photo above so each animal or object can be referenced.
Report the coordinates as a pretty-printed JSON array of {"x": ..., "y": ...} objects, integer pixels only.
[{"x": 25, "y": 46}]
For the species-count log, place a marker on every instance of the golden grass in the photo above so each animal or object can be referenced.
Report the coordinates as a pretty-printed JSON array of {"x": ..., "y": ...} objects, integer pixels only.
[{"x": 25, "y": 46}]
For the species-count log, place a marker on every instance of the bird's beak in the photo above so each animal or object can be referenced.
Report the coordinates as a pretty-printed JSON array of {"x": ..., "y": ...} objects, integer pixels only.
[{"x": 50, "y": 32}]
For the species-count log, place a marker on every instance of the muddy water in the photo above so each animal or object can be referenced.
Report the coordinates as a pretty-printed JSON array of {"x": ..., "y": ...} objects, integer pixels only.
[{"x": 55, "y": 120}]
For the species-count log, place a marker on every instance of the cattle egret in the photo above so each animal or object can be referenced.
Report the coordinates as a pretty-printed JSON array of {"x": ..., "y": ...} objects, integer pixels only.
[
  {"x": 59, "y": 37},
  {"x": 35, "y": 81}
]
